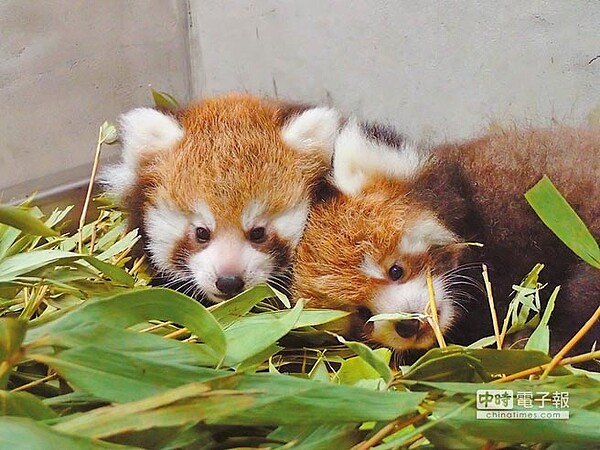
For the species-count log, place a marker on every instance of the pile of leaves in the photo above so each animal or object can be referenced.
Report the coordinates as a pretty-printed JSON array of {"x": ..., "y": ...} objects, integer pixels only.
[{"x": 92, "y": 357}]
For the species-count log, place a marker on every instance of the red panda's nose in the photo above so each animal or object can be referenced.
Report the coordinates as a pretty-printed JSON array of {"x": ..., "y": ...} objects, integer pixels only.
[
  {"x": 230, "y": 284},
  {"x": 407, "y": 328}
]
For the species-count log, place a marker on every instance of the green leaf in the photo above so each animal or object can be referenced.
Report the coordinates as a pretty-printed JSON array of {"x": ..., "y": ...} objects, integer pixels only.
[
  {"x": 475, "y": 365},
  {"x": 12, "y": 333},
  {"x": 132, "y": 343},
  {"x": 379, "y": 364},
  {"x": 140, "y": 305},
  {"x": 23, "y": 404},
  {"x": 21, "y": 219},
  {"x": 354, "y": 370},
  {"x": 320, "y": 437},
  {"x": 398, "y": 317},
  {"x": 251, "y": 335},
  {"x": 540, "y": 338},
  {"x": 121, "y": 377},
  {"x": 108, "y": 134},
  {"x": 164, "y": 100},
  {"x": 287, "y": 400},
  {"x": 557, "y": 214},
  {"x": 231, "y": 310},
  {"x": 187, "y": 404},
  {"x": 24, "y": 263},
  {"x": 19, "y": 433}
]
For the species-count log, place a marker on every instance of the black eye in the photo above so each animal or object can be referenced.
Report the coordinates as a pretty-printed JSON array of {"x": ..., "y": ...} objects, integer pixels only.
[
  {"x": 202, "y": 235},
  {"x": 395, "y": 272},
  {"x": 364, "y": 314},
  {"x": 258, "y": 234}
]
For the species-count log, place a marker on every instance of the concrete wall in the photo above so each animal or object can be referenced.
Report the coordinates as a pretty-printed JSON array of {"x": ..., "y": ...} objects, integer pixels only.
[
  {"x": 66, "y": 66},
  {"x": 436, "y": 68}
]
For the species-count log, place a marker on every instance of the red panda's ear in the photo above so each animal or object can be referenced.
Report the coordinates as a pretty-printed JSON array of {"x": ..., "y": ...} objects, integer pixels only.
[
  {"x": 141, "y": 131},
  {"x": 313, "y": 130},
  {"x": 426, "y": 232},
  {"x": 145, "y": 130},
  {"x": 358, "y": 158}
]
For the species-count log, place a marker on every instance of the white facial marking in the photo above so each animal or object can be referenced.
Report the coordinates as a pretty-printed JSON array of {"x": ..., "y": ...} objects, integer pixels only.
[
  {"x": 290, "y": 224},
  {"x": 145, "y": 129},
  {"x": 371, "y": 269},
  {"x": 252, "y": 216},
  {"x": 226, "y": 255},
  {"x": 357, "y": 158},
  {"x": 202, "y": 216},
  {"x": 409, "y": 297},
  {"x": 165, "y": 226},
  {"x": 424, "y": 233},
  {"x": 315, "y": 129}
]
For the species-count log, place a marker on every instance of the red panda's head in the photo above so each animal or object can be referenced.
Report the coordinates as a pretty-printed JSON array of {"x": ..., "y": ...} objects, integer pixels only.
[
  {"x": 221, "y": 189},
  {"x": 367, "y": 249}
]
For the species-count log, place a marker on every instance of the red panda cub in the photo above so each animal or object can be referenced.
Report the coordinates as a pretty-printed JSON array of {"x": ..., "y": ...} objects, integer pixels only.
[
  {"x": 398, "y": 212},
  {"x": 220, "y": 190}
]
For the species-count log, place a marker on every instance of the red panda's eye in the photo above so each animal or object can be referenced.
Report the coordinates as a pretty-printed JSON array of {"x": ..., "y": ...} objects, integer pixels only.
[
  {"x": 395, "y": 272},
  {"x": 202, "y": 235},
  {"x": 258, "y": 234}
]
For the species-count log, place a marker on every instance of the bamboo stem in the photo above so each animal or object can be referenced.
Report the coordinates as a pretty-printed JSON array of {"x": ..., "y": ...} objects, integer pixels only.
[
  {"x": 176, "y": 333},
  {"x": 488, "y": 289},
  {"x": 35, "y": 383},
  {"x": 390, "y": 428},
  {"x": 563, "y": 362},
  {"x": 574, "y": 340},
  {"x": 434, "y": 321},
  {"x": 88, "y": 196}
]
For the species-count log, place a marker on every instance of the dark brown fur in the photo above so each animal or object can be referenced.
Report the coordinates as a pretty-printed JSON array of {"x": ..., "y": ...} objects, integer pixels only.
[{"x": 477, "y": 190}]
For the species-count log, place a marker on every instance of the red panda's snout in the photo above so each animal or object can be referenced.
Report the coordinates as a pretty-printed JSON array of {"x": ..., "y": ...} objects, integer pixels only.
[
  {"x": 410, "y": 297},
  {"x": 211, "y": 257}
]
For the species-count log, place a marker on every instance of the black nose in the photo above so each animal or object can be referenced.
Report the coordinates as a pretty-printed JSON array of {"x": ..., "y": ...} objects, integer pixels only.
[
  {"x": 407, "y": 328},
  {"x": 230, "y": 285}
]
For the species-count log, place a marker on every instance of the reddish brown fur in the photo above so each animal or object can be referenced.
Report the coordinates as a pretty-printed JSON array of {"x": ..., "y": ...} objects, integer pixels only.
[
  {"x": 232, "y": 153},
  {"x": 476, "y": 189}
]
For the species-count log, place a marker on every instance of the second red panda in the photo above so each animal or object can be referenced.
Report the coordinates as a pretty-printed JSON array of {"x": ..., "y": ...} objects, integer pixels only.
[{"x": 399, "y": 211}]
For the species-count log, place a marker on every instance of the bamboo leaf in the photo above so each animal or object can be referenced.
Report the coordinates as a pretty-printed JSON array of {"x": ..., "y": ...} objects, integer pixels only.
[
  {"x": 187, "y": 404},
  {"x": 229, "y": 311},
  {"x": 252, "y": 335},
  {"x": 21, "y": 219},
  {"x": 373, "y": 359},
  {"x": 140, "y": 305},
  {"x": 164, "y": 100},
  {"x": 23, "y": 404},
  {"x": 561, "y": 218},
  {"x": 540, "y": 338},
  {"x": 123, "y": 377},
  {"x": 291, "y": 401},
  {"x": 19, "y": 433},
  {"x": 12, "y": 333}
]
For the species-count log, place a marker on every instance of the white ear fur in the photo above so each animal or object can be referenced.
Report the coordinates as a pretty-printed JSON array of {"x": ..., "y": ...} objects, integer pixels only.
[
  {"x": 315, "y": 128},
  {"x": 117, "y": 179},
  {"x": 357, "y": 158},
  {"x": 141, "y": 130},
  {"x": 144, "y": 130},
  {"x": 426, "y": 232}
]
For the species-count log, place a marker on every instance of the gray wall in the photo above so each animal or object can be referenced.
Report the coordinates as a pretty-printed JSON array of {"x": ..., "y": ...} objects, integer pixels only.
[
  {"x": 66, "y": 67},
  {"x": 438, "y": 69}
]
